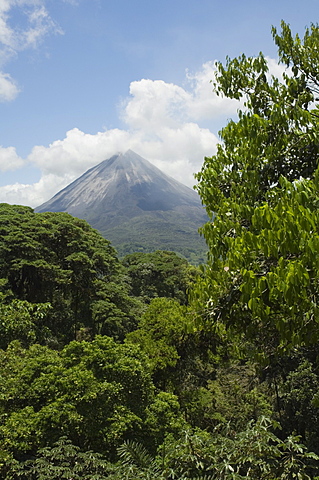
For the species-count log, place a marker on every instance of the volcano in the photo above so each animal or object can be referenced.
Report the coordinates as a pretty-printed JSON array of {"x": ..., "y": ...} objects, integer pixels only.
[{"x": 136, "y": 206}]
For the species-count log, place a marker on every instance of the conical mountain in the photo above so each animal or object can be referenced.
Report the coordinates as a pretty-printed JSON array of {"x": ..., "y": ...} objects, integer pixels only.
[{"x": 136, "y": 206}]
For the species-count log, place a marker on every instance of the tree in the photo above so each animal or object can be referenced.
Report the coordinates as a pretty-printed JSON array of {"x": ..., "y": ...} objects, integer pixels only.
[
  {"x": 21, "y": 320},
  {"x": 181, "y": 359},
  {"x": 261, "y": 280},
  {"x": 162, "y": 335},
  {"x": 63, "y": 461},
  {"x": 299, "y": 404},
  {"x": 254, "y": 452},
  {"x": 159, "y": 274},
  {"x": 58, "y": 259},
  {"x": 94, "y": 393}
]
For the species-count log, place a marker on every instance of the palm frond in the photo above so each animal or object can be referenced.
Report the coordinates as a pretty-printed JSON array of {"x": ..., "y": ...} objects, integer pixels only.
[{"x": 133, "y": 453}]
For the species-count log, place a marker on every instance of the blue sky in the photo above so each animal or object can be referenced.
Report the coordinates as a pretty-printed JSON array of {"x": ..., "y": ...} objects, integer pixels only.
[{"x": 81, "y": 80}]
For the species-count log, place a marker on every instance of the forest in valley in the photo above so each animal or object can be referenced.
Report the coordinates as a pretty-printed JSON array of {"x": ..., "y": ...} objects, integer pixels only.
[{"x": 147, "y": 367}]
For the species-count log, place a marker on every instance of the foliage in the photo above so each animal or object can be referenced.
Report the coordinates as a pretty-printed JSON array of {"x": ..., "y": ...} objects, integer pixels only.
[
  {"x": 299, "y": 412},
  {"x": 181, "y": 359},
  {"x": 159, "y": 274},
  {"x": 164, "y": 416},
  {"x": 57, "y": 259},
  {"x": 21, "y": 320},
  {"x": 261, "y": 281},
  {"x": 222, "y": 387},
  {"x": 161, "y": 333},
  {"x": 95, "y": 393},
  {"x": 235, "y": 397},
  {"x": 175, "y": 232},
  {"x": 61, "y": 461},
  {"x": 137, "y": 463},
  {"x": 254, "y": 452}
]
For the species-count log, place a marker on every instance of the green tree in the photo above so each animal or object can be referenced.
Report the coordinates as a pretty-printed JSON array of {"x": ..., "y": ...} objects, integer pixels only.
[
  {"x": 61, "y": 461},
  {"x": 57, "y": 259},
  {"x": 95, "y": 393},
  {"x": 159, "y": 274},
  {"x": 181, "y": 359},
  {"x": 261, "y": 281},
  {"x": 161, "y": 333},
  {"x": 235, "y": 397},
  {"x": 166, "y": 334},
  {"x": 299, "y": 404},
  {"x": 254, "y": 452},
  {"x": 21, "y": 320}
]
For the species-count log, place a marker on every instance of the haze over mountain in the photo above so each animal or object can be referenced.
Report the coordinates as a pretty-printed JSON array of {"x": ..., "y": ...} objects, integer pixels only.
[{"x": 135, "y": 205}]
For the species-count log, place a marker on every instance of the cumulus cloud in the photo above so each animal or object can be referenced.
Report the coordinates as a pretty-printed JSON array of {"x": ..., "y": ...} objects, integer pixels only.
[
  {"x": 76, "y": 151},
  {"x": 33, "y": 194},
  {"x": 163, "y": 124},
  {"x": 178, "y": 152},
  {"x": 9, "y": 159},
  {"x": 19, "y": 194},
  {"x": 160, "y": 127},
  {"x": 152, "y": 102},
  {"x": 204, "y": 103}
]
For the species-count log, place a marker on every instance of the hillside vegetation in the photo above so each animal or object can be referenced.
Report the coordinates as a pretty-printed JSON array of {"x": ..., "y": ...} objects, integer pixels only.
[
  {"x": 150, "y": 368},
  {"x": 148, "y": 234}
]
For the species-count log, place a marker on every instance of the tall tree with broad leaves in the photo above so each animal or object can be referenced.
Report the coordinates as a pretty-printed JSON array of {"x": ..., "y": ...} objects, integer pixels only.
[
  {"x": 58, "y": 259},
  {"x": 261, "y": 190}
]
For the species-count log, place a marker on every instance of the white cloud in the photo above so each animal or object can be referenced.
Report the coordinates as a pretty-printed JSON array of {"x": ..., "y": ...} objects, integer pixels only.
[
  {"x": 204, "y": 102},
  {"x": 15, "y": 37},
  {"x": 36, "y": 24},
  {"x": 155, "y": 103},
  {"x": 40, "y": 25},
  {"x": 158, "y": 117},
  {"x": 33, "y": 194},
  {"x": 8, "y": 88},
  {"x": 179, "y": 152},
  {"x": 77, "y": 151},
  {"x": 163, "y": 125},
  {"x": 18, "y": 194},
  {"x": 9, "y": 159}
]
